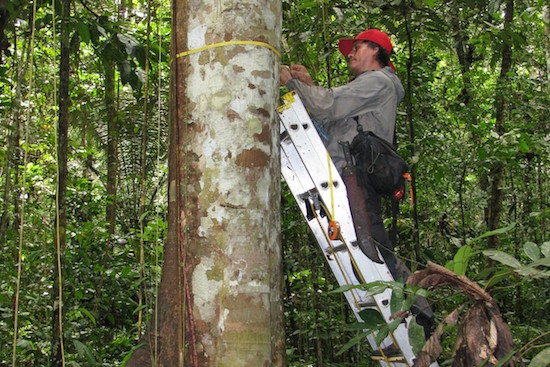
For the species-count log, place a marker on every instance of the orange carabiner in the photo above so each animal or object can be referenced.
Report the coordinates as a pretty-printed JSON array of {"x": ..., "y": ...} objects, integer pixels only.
[{"x": 333, "y": 230}]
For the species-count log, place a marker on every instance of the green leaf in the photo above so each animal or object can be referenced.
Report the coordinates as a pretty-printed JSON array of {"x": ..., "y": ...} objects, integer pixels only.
[
  {"x": 357, "y": 326},
  {"x": 499, "y": 276},
  {"x": 372, "y": 318},
  {"x": 545, "y": 249},
  {"x": 496, "y": 231},
  {"x": 394, "y": 324},
  {"x": 376, "y": 290},
  {"x": 531, "y": 250},
  {"x": 430, "y": 3},
  {"x": 382, "y": 334},
  {"x": 541, "y": 359},
  {"x": 83, "y": 32},
  {"x": 523, "y": 146},
  {"x": 129, "y": 355},
  {"x": 24, "y": 344},
  {"x": 130, "y": 43},
  {"x": 306, "y": 4},
  {"x": 417, "y": 338},
  {"x": 348, "y": 287},
  {"x": 353, "y": 341},
  {"x": 386, "y": 329},
  {"x": 541, "y": 262},
  {"x": 88, "y": 313},
  {"x": 397, "y": 298},
  {"x": 85, "y": 352},
  {"x": 503, "y": 258},
  {"x": 372, "y": 288},
  {"x": 505, "y": 359},
  {"x": 461, "y": 258},
  {"x": 529, "y": 271},
  {"x": 102, "y": 31}
]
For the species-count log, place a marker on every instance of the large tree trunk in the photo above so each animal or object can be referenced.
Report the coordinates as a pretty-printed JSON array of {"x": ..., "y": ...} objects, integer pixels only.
[
  {"x": 61, "y": 213},
  {"x": 220, "y": 294}
]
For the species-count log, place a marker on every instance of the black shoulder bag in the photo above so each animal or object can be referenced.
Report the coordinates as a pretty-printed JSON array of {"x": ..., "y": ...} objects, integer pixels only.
[{"x": 378, "y": 163}]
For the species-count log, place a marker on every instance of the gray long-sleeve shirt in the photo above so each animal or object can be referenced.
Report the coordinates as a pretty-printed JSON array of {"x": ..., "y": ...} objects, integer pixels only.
[{"x": 372, "y": 97}]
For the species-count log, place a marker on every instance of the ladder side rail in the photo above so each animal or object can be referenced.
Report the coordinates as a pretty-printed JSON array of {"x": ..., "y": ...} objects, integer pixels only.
[
  {"x": 341, "y": 263},
  {"x": 319, "y": 173}
]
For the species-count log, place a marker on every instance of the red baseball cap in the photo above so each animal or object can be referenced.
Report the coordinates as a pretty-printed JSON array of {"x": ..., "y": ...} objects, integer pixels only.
[{"x": 374, "y": 35}]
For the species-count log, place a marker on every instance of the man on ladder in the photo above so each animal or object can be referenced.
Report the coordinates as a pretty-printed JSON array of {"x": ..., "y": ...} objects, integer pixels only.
[{"x": 368, "y": 103}]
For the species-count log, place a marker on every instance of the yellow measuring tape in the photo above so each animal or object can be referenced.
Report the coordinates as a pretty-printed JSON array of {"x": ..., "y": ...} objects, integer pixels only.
[
  {"x": 229, "y": 43},
  {"x": 333, "y": 225}
]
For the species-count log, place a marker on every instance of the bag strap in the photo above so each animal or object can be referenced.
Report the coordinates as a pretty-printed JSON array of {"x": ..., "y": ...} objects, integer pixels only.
[{"x": 360, "y": 130}]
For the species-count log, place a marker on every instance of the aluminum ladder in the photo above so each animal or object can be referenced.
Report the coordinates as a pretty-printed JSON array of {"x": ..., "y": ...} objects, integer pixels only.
[{"x": 317, "y": 186}]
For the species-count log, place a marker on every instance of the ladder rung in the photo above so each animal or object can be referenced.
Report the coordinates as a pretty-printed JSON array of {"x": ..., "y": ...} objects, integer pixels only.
[
  {"x": 309, "y": 193},
  {"x": 338, "y": 248},
  {"x": 368, "y": 304},
  {"x": 389, "y": 359},
  {"x": 284, "y": 135}
]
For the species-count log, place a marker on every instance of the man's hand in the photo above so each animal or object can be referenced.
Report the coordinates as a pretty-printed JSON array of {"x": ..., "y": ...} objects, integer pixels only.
[
  {"x": 285, "y": 75},
  {"x": 295, "y": 71},
  {"x": 300, "y": 72}
]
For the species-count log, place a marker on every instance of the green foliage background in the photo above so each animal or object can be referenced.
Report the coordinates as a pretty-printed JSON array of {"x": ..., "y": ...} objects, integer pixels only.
[{"x": 446, "y": 130}]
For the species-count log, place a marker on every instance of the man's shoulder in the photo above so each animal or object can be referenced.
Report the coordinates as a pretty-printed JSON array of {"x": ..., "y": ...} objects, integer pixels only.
[{"x": 380, "y": 77}]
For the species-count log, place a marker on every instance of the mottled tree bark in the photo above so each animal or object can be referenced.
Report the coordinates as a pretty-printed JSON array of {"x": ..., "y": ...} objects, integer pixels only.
[{"x": 220, "y": 295}]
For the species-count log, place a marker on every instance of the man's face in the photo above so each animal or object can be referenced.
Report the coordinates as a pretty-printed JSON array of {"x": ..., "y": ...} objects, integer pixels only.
[{"x": 362, "y": 57}]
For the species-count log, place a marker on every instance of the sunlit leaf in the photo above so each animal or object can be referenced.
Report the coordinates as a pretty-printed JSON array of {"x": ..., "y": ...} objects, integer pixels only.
[
  {"x": 541, "y": 359},
  {"x": 417, "y": 338},
  {"x": 497, "y": 231},
  {"x": 545, "y": 261},
  {"x": 397, "y": 298},
  {"x": 460, "y": 260},
  {"x": 531, "y": 250},
  {"x": 88, "y": 314},
  {"x": 503, "y": 258}
]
